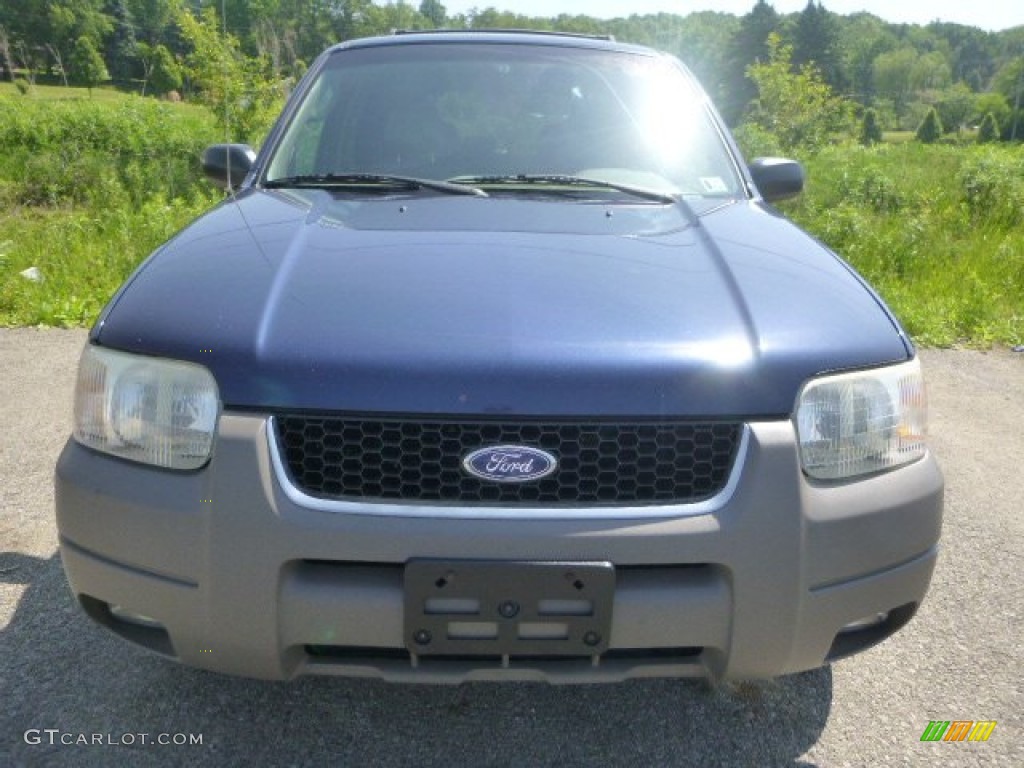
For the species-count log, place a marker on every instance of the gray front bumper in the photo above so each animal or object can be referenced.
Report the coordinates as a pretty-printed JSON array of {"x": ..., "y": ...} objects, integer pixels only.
[{"x": 245, "y": 580}]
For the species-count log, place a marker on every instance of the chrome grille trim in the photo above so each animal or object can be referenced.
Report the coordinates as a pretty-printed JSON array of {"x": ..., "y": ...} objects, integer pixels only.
[{"x": 502, "y": 511}]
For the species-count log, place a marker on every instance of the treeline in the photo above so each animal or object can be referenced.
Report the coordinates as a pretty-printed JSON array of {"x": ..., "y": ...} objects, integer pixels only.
[{"x": 900, "y": 71}]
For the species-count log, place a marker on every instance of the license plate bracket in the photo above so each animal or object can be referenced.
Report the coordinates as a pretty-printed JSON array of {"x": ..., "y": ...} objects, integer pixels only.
[{"x": 508, "y": 608}]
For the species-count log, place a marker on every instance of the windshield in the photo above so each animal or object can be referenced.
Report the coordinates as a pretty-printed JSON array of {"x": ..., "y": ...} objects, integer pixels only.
[{"x": 509, "y": 119}]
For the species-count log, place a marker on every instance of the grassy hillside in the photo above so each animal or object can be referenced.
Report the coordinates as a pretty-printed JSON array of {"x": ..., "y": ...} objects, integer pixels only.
[
  {"x": 88, "y": 187},
  {"x": 938, "y": 230},
  {"x": 55, "y": 92}
]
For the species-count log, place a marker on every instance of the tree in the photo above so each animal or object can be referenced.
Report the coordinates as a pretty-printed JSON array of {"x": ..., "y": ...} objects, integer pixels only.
[
  {"x": 315, "y": 25},
  {"x": 87, "y": 67},
  {"x": 26, "y": 31},
  {"x": 748, "y": 46},
  {"x": 153, "y": 19},
  {"x": 58, "y": 63},
  {"x": 870, "y": 129},
  {"x": 703, "y": 42},
  {"x": 955, "y": 105},
  {"x": 5, "y": 54},
  {"x": 491, "y": 18},
  {"x": 375, "y": 20},
  {"x": 239, "y": 87},
  {"x": 67, "y": 22},
  {"x": 930, "y": 71},
  {"x": 930, "y": 129},
  {"x": 892, "y": 76},
  {"x": 28, "y": 60},
  {"x": 989, "y": 130},
  {"x": 799, "y": 108},
  {"x": 1009, "y": 81},
  {"x": 358, "y": 18},
  {"x": 36, "y": 27},
  {"x": 816, "y": 41},
  {"x": 119, "y": 50},
  {"x": 994, "y": 103},
  {"x": 160, "y": 70},
  {"x": 863, "y": 39},
  {"x": 971, "y": 52},
  {"x": 434, "y": 12}
]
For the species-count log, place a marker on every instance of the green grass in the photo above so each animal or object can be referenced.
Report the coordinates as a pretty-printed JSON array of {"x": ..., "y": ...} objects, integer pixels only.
[
  {"x": 938, "y": 231},
  {"x": 88, "y": 188},
  {"x": 41, "y": 92},
  {"x": 83, "y": 256},
  {"x": 42, "y": 95},
  {"x": 898, "y": 137}
]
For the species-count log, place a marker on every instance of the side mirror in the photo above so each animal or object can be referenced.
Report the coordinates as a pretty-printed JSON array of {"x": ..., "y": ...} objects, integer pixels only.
[
  {"x": 777, "y": 178},
  {"x": 227, "y": 165}
]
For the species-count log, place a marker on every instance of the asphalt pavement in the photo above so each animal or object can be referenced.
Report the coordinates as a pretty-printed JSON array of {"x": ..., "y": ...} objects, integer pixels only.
[{"x": 74, "y": 695}]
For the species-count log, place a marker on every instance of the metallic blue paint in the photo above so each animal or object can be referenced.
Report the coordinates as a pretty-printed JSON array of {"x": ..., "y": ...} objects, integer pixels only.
[{"x": 454, "y": 305}]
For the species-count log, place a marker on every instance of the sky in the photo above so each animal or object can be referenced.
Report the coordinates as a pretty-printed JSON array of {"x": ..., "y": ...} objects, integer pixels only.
[{"x": 992, "y": 15}]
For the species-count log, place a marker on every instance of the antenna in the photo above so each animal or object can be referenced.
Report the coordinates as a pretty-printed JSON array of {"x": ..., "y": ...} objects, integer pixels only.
[{"x": 227, "y": 99}]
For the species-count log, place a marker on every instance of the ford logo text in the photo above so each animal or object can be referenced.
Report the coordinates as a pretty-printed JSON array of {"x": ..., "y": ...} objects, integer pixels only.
[{"x": 510, "y": 464}]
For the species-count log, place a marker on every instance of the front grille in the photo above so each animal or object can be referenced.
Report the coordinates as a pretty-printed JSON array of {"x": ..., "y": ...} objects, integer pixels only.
[{"x": 337, "y": 457}]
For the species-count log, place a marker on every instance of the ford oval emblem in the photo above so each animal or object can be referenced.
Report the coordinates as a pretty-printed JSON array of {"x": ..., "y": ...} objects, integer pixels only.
[{"x": 510, "y": 464}]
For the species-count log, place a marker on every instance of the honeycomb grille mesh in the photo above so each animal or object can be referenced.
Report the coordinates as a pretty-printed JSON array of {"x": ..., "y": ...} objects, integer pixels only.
[{"x": 421, "y": 461}]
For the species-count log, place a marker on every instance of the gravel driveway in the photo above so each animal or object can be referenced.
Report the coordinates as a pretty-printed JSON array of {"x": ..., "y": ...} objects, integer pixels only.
[{"x": 961, "y": 659}]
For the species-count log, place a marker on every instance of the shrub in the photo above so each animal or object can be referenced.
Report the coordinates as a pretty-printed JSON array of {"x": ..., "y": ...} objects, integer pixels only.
[
  {"x": 243, "y": 88},
  {"x": 873, "y": 188},
  {"x": 49, "y": 179},
  {"x": 993, "y": 187},
  {"x": 938, "y": 230},
  {"x": 87, "y": 65},
  {"x": 58, "y": 152},
  {"x": 162, "y": 72},
  {"x": 989, "y": 130},
  {"x": 756, "y": 141},
  {"x": 798, "y": 107},
  {"x": 133, "y": 126},
  {"x": 930, "y": 129},
  {"x": 870, "y": 130},
  {"x": 22, "y": 85}
]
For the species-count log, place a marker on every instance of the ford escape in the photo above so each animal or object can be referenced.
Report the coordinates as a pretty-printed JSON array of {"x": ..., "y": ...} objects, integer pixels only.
[{"x": 497, "y": 363}]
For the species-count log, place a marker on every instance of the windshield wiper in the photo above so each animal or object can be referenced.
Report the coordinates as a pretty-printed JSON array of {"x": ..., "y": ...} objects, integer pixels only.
[
  {"x": 560, "y": 180},
  {"x": 327, "y": 180}
]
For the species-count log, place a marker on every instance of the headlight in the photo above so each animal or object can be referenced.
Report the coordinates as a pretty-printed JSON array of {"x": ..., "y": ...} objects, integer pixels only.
[
  {"x": 147, "y": 409},
  {"x": 856, "y": 423}
]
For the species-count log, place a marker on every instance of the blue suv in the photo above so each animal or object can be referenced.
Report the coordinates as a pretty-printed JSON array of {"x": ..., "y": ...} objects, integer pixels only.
[{"x": 497, "y": 364}]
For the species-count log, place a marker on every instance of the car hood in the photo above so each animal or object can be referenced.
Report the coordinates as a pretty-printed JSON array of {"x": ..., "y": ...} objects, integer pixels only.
[{"x": 460, "y": 305}]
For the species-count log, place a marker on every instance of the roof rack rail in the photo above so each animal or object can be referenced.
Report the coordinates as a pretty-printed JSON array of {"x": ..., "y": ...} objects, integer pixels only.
[{"x": 494, "y": 30}]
